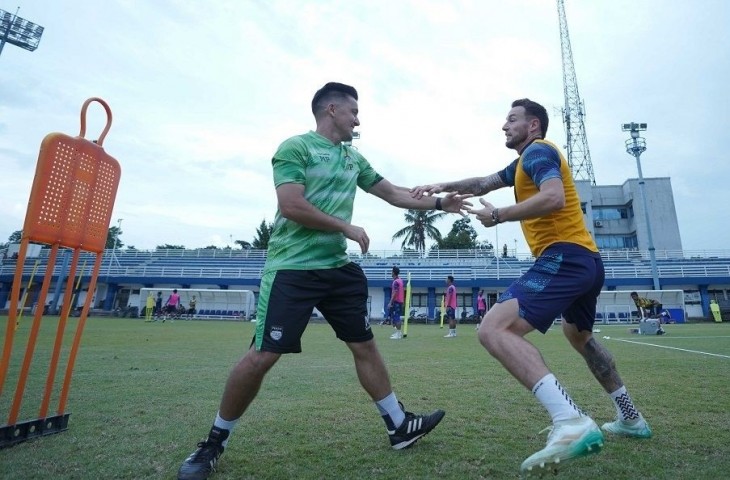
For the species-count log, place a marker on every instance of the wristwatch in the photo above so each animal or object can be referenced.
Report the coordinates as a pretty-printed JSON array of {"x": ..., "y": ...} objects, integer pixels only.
[{"x": 495, "y": 216}]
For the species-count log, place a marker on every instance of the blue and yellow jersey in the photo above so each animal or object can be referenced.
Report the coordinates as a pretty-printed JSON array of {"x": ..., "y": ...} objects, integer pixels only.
[{"x": 541, "y": 161}]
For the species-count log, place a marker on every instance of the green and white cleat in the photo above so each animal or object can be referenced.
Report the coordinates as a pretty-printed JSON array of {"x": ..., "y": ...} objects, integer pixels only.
[
  {"x": 637, "y": 428},
  {"x": 569, "y": 439}
]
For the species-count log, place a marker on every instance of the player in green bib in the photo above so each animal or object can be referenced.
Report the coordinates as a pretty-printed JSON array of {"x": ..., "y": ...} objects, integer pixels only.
[{"x": 316, "y": 176}]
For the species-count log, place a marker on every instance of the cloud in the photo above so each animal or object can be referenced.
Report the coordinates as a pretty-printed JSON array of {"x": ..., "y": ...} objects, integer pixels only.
[{"x": 203, "y": 95}]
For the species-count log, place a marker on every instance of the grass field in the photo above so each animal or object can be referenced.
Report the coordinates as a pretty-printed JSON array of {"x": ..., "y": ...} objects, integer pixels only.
[{"x": 144, "y": 393}]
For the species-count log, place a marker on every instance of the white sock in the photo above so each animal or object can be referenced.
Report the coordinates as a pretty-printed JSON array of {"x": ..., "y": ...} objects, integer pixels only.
[
  {"x": 555, "y": 399},
  {"x": 225, "y": 425},
  {"x": 624, "y": 406},
  {"x": 391, "y": 412}
]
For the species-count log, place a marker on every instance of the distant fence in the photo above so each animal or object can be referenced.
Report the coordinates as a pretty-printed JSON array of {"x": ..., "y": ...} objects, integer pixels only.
[{"x": 466, "y": 264}]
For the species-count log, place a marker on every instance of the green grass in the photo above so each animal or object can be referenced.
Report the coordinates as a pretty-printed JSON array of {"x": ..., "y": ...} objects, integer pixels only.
[{"x": 143, "y": 395}]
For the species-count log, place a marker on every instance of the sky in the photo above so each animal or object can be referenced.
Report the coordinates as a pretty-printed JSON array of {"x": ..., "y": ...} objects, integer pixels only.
[{"x": 202, "y": 94}]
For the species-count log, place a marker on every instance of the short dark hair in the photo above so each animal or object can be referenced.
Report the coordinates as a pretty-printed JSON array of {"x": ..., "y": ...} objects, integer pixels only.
[
  {"x": 330, "y": 91},
  {"x": 632, "y": 294},
  {"x": 451, "y": 278},
  {"x": 536, "y": 110},
  {"x": 396, "y": 270}
]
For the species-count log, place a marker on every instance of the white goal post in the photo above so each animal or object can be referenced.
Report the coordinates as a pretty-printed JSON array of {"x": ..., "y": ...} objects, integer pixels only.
[
  {"x": 616, "y": 306},
  {"x": 210, "y": 303}
]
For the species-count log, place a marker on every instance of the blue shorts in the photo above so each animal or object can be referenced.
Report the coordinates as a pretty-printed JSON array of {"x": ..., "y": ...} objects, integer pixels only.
[
  {"x": 450, "y": 313},
  {"x": 396, "y": 310},
  {"x": 565, "y": 280}
]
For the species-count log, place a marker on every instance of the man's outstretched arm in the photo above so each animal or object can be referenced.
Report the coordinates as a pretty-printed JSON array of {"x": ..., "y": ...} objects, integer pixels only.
[
  {"x": 476, "y": 186},
  {"x": 402, "y": 197}
]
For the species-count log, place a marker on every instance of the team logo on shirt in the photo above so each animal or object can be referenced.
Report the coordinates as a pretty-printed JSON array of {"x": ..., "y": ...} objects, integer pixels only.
[{"x": 276, "y": 333}]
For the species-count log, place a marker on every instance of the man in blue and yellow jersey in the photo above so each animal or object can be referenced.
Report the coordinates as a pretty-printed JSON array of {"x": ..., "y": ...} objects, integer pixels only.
[
  {"x": 316, "y": 176},
  {"x": 566, "y": 280}
]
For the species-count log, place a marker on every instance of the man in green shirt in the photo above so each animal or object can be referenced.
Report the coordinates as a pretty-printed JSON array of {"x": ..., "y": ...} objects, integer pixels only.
[{"x": 316, "y": 176}]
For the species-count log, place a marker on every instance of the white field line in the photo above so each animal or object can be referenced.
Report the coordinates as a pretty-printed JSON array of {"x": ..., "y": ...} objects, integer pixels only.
[
  {"x": 673, "y": 348},
  {"x": 667, "y": 337}
]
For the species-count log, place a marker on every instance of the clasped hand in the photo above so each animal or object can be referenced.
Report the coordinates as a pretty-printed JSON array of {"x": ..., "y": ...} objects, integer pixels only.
[{"x": 484, "y": 215}]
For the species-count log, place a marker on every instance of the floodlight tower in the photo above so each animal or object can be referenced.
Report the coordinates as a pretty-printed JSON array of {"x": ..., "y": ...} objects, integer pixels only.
[
  {"x": 18, "y": 31},
  {"x": 635, "y": 146},
  {"x": 579, "y": 157},
  {"x": 355, "y": 136}
]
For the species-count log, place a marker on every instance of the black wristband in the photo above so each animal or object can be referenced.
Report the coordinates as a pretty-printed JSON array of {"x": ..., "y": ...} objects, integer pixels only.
[{"x": 438, "y": 204}]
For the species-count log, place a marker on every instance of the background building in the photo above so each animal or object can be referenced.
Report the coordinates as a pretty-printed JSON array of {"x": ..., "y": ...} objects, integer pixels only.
[{"x": 615, "y": 215}]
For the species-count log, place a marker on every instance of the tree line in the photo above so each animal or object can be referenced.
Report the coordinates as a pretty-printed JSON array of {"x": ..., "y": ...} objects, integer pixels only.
[{"x": 419, "y": 228}]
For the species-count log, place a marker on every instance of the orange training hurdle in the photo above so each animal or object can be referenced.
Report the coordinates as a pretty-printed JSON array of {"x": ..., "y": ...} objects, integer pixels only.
[{"x": 70, "y": 206}]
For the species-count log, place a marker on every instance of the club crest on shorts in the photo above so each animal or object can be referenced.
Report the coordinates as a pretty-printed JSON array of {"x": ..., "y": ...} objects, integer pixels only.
[
  {"x": 276, "y": 333},
  {"x": 367, "y": 322}
]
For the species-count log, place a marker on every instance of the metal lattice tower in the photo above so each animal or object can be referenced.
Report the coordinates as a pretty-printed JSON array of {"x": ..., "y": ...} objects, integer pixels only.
[{"x": 579, "y": 157}]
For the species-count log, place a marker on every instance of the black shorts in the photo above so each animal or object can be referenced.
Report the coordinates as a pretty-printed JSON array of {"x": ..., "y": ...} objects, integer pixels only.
[{"x": 288, "y": 297}]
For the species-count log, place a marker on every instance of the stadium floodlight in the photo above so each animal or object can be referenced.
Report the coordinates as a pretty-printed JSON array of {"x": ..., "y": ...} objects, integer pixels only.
[
  {"x": 19, "y": 31},
  {"x": 635, "y": 146},
  {"x": 355, "y": 136},
  {"x": 628, "y": 127}
]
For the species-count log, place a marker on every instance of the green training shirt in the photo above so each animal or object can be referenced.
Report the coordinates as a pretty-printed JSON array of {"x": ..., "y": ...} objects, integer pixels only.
[{"x": 330, "y": 174}]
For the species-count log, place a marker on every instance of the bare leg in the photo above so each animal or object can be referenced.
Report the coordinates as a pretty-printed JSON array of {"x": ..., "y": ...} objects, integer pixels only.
[
  {"x": 599, "y": 359},
  {"x": 501, "y": 333},
  {"x": 244, "y": 382},
  {"x": 371, "y": 369}
]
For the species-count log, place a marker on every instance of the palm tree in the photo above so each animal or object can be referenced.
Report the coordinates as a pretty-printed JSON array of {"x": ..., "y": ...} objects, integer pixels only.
[
  {"x": 420, "y": 225},
  {"x": 243, "y": 244}
]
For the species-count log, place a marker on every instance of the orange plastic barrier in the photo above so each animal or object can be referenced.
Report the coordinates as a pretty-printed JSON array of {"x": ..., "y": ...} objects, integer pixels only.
[{"x": 70, "y": 206}]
